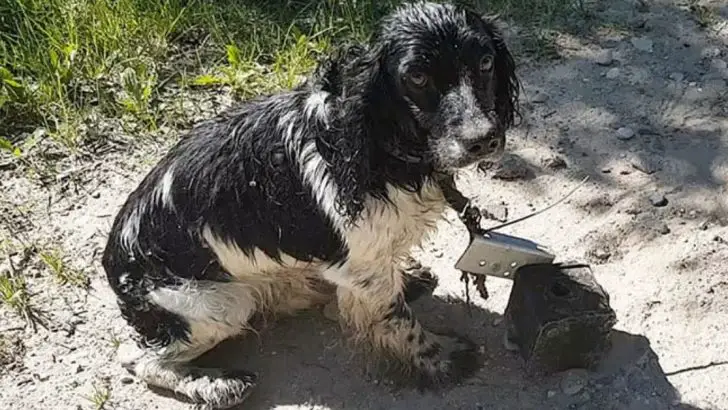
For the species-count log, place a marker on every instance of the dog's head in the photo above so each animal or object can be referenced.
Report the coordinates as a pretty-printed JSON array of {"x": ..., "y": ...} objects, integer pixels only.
[{"x": 445, "y": 76}]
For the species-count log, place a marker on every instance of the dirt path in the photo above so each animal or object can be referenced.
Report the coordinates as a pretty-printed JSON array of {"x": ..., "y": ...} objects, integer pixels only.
[{"x": 641, "y": 108}]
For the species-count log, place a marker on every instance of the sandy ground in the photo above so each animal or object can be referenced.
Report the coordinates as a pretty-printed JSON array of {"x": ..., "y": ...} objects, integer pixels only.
[{"x": 642, "y": 110}]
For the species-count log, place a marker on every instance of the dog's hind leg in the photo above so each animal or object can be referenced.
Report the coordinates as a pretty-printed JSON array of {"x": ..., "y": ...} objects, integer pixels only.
[{"x": 178, "y": 325}]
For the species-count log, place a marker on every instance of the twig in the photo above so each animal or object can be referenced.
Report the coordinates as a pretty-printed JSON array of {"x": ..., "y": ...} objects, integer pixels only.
[{"x": 698, "y": 367}]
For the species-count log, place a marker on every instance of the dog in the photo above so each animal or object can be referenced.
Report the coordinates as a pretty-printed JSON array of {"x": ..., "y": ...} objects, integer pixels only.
[{"x": 318, "y": 193}]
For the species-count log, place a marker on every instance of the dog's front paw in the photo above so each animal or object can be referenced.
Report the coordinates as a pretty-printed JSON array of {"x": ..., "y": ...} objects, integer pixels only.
[
  {"x": 447, "y": 361},
  {"x": 419, "y": 280}
]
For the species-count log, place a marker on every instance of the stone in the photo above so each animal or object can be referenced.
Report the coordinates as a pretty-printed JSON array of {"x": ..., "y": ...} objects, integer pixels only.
[
  {"x": 625, "y": 133},
  {"x": 677, "y": 77},
  {"x": 642, "y": 44},
  {"x": 647, "y": 163},
  {"x": 605, "y": 57},
  {"x": 511, "y": 168},
  {"x": 663, "y": 229},
  {"x": 718, "y": 64},
  {"x": 658, "y": 200},
  {"x": 602, "y": 254},
  {"x": 555, "y": 163},
  {"x": 710, "y": 52},
  {"x": 613, "y": 73},
  {"x": 573, "y": 381},
  {"x": 559, "y": 318},
  {"x": 127, "y": 380},
  {"x": 540, "y": 98}
]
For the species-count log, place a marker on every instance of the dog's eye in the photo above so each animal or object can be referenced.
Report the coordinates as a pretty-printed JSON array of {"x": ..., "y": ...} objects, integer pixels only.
[
  {"x": 486, "y": 64},
  {"x": 418, "y": 79}
]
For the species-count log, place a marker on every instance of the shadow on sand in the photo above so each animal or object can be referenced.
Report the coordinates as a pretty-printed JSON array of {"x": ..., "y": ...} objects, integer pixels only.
[{"x": 303, "y": 363}]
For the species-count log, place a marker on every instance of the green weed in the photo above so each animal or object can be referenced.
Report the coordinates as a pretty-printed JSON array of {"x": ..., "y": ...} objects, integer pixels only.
[
  {"x": 62, "y": 272},
  {"x": 14, "y": 294},
  {"x": 100, "y": 396},
  {"x": 65, "y": 60}
]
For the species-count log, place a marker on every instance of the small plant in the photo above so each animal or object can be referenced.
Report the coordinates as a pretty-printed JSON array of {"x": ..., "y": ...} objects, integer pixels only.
[
  {"x": 114, "y": 341},
  {"x": 12, "y": 89},
  {"x": 138, "y": 83},
  {"x": 64, "y": 273},
  {"x": 242, "y": 74},
  {"x": 703, "y": 15},
  {"x": 6, "y": 145},
  {"x": 14, "y": 294},
  {"x": 248, "y": 78},
  {"x": 100, "y": 396},
  {"x": 11, "y": 350},
  {"x": 542, "y": 45}
]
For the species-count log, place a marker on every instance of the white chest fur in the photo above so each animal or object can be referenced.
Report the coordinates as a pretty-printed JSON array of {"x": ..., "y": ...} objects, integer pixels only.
[{"x": 388, "y": 230}]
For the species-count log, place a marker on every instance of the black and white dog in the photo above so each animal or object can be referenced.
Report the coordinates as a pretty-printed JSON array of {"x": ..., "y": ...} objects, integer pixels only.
[{"x": 321, "y": 192}]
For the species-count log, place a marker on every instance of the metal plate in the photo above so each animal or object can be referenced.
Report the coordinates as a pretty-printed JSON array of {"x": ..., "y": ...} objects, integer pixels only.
[{"x": 498, "y": 254}]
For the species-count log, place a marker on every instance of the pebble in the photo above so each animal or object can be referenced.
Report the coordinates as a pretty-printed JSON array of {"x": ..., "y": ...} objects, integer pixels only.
[
  {"x": 658, "y": 200},
  {"x": 96, "y": 195},
  {"x": 127, "y": 380},
  {"x": 497, "y": 321},
  {"x": 551, "y": 393},
  {"x": 677, "y": 77},
  {"x": 625, "y": 133},
  {"x": 540, "y": 98},
  {"x": 663, "y": 229},
  {"x": 555, "y": 162},
  {"x": 642, "y": 44},
  {"x": 602, "y": 254},
  {"x": 574, "y": 381},
  {"x": 605, "y": 57},
  {"x": 512, "y": 168},
  {"x": 646, "y": 163},
  {"x": 718, "y": 64},
  {"x": 710, "y": 52},
  {"x": 613, "y": 73}
]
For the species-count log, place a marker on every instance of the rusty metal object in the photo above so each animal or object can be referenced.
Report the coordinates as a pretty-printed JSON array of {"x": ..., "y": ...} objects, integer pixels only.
[{"x": 558, "y": 317}]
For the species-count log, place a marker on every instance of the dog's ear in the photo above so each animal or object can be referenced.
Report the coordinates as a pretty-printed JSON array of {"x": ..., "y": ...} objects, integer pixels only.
[
  {"x": 366, "y": 73},
  {"x": 507, "y": 84}
]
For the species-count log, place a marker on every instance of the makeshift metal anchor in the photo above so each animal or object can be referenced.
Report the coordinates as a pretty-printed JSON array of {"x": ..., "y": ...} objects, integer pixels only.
[
  {"x": 492, "y": 253},
  {"x": 558, "y": 316}
]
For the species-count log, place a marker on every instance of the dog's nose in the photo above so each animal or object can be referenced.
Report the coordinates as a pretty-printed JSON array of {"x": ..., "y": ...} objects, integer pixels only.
[{"x": 485, "y": 146}]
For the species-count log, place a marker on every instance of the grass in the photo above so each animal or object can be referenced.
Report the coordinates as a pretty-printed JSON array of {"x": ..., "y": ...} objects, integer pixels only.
[
  {"x": 63, "y": 273},
  {"x": 100, "y": 396},
  {"x": 65, "y": 62},
  {"x": 14, "y": 294},
  {"x": 704, "y": 16}
]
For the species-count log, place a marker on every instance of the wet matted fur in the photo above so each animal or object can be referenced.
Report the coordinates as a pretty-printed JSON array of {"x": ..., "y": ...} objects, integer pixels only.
[{"x": 331, "y": 183}]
